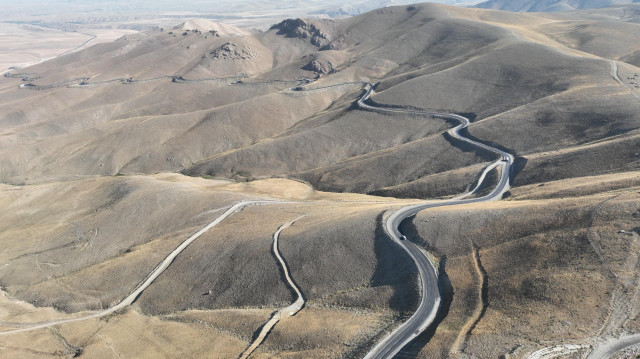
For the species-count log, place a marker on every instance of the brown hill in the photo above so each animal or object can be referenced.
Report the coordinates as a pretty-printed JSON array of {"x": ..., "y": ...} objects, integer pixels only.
[
  {"x": 516, "y": 78},
  {"x": 90, "y": 206}
]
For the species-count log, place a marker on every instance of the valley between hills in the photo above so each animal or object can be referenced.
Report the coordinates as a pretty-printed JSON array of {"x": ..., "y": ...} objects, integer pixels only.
[{"x": 421, "y": 181}]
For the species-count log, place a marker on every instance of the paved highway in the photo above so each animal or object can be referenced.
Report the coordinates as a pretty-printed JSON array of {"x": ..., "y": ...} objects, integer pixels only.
[{"x": 430, "y": 301}]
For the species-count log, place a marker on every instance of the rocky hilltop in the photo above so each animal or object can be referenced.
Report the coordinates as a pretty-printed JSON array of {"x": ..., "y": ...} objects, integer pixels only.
[{"x": 317, "y": 32}]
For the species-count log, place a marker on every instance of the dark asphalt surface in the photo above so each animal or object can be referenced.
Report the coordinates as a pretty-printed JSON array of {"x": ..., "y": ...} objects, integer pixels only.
[{"x": 430, "y": 301}]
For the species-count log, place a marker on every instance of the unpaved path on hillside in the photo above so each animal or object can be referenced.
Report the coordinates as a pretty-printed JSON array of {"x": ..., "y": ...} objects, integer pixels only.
[
  {"x": 286, "y": 311},
  {"x": 613, "y": 345},
  {"x": 614, "y": 74},
  {"x": 430, "y": 298},
  {"x": 147, "y": 282}
]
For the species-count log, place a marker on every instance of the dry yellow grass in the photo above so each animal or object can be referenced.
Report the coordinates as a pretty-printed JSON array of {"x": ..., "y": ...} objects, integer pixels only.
[
  {"x": 557, "y": 269},
  {"x": 129, "y": 334},
  {"x": 102, "y": 276},
  {"x": 317, "y": 332},
  {"x": 85, "y": 236}
]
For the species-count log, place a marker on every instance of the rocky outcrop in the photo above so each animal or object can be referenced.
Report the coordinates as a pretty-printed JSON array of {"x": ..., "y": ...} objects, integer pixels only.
[
  {"x": 319, "y": 67},
  {"x": 231, "y": 51},
  {"x": 338, "y": 44},
  {"x": 317, "y": 32}
]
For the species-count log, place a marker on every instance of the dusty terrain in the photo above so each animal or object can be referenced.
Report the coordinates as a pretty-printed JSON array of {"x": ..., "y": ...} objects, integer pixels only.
[
  {"x": 112, "y": 156},
  {"x": 33, "y": 31},
  {"x": 564, "y": 259},
  {"x": 25, "y": 44},
  {"x": 235, "y": 266}
]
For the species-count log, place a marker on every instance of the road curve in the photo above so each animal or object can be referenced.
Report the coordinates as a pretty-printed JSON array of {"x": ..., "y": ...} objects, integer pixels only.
[
  {"x": 481, "y": 179},
  {"x": 147, "y": 282},
  {"x": 286, "y": 311},
  {"x": 614, "y": 74},
  {"x": 611, "y": 347},
  {"x": 559, "y": 351},
  {"x": 299, "y": 302},
  {"x": 430, "y": 300}
]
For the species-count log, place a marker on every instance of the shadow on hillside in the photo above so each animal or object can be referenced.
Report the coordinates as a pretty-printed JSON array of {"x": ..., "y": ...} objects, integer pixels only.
[
  {"x": 519, "y": 162},
  {"x": 467, "y": 147},
  {"x": 446, "y": 292},
  {"x": 395, "y": 269},
  {"x": 283, "y": 278}
]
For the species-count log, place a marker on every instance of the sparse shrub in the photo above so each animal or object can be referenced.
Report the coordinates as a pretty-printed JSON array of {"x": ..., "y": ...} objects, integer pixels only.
[{"x": 243, "y": 173}]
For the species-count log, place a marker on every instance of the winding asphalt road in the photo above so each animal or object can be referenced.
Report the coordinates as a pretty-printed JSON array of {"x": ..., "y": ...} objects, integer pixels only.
[{"x": 430, "y": 301}]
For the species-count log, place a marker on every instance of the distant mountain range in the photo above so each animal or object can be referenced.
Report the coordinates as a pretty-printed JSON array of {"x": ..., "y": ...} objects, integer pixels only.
[
  {"x": 360, "y": 7},
  {"x": 145, "y": 14},
  {"x": 550, "y": 5}
]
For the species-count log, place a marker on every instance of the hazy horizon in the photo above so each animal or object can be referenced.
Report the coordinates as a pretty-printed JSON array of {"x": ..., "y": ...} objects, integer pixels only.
[{"x": 246, "y": 13}]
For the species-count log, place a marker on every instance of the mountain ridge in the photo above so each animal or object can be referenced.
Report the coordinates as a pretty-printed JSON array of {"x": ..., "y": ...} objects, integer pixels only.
[{"x": 549, "y": 5}]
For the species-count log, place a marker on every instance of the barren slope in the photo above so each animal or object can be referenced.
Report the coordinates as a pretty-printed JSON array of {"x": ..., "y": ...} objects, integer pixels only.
[
  {"x": 185, "y": 104},
  {"x": 93, "y": 143}
]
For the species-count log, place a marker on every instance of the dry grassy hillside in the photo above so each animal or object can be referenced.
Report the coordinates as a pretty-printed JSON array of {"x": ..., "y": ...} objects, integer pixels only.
[
  {"x": 118, "y": 228},
  {"x": 112, "y": 156},
  {"x": 220, "y": 103},
  {"x": 534, "y": 271}
]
